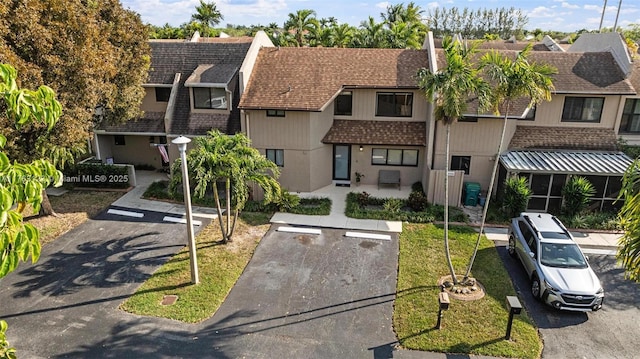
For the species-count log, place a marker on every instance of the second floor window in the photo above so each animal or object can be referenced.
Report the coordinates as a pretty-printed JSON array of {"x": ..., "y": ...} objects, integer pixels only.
[
  {"x": 582, "y": 109},
  {"x": 209, "y": 98},
  {"x": 275, "y": 113},
  {"x": 631, "y": 116},
  {"x": 394, "y": 104},
  {"x": 343, "y": 104}
]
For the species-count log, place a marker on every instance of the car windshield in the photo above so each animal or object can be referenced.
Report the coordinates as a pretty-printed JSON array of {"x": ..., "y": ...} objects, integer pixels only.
[{"x": 562, "y": 255}]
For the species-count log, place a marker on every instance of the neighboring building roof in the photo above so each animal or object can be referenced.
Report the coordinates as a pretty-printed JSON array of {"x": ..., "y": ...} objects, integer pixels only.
[
  {"x": 566, "y": 162},
  {"x": 585, "y": 73},
  {"x": 306, "y": 79},
  {"x": 501, "y": 45},
  {"x": 578, "y": 72},
  {"x": 573, "y": 138},
  {"x": 152, "y": 122},
  {"x": 399, "y": 133}
]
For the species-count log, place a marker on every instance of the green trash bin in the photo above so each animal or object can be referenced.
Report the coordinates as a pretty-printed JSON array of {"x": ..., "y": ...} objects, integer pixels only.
[{"x": 470, "y": 193}]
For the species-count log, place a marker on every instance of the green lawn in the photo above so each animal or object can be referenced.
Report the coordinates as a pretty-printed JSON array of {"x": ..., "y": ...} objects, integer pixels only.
[
  {"x": 219, "y": 265},
  {"x": 475, "y": 327}
]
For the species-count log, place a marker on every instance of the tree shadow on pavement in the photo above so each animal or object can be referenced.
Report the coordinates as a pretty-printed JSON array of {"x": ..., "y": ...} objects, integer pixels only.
[{"x": 98, "y": 264}]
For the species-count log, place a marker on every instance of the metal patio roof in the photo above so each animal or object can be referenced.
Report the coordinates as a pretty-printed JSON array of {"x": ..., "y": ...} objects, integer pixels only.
[{"x": 566, "y": 162}]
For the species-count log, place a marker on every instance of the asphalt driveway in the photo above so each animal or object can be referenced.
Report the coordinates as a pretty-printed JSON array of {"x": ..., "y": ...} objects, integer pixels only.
[
  {"x": 608, "y": 333},
  {"x": 311, "y": 296}
]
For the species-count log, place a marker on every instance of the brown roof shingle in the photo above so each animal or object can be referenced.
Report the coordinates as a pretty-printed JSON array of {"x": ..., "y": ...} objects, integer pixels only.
[
  {"x": 566, "y": 138},
  {"x": 377, "y": 133},
  {"x": 308, "y": 78}
]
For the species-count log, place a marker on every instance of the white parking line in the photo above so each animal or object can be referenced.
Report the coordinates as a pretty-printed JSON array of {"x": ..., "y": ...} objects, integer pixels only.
[
  {"x": 385, "y": 237},
  {"x": 181, "y": 220},
  {"x": 125, "y": 213},
  {"x": 299, "y": 230}
]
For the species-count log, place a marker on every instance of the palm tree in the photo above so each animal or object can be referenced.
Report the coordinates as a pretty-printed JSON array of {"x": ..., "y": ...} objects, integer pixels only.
[
  {"x": 511, "y": 80},
  {"x": 342, "y": 35},
  {"x": 450, "y": 89},
  {"x": 301, "y": 23},
  {"x": 207, "y": 14},
  {"x": 371, "y": 34},
  {"x": 629, "y": 249},
  {"x": 218, "y": 157}
]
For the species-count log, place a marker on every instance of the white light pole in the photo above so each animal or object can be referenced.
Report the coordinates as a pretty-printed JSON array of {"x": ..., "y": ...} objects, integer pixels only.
[{"x": 182, "y": 147}]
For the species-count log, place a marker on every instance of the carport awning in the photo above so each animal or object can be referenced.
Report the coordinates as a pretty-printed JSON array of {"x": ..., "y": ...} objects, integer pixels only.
[{"x": 566, "y": 162}]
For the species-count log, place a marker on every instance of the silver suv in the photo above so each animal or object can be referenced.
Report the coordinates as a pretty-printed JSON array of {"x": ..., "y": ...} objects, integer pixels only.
[{"x": 560, "y": 273}]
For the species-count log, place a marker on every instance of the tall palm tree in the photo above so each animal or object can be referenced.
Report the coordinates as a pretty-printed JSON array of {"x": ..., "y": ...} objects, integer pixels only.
[
  {"x": 450, "y": 89},
  {"x": 511, "y": 79},
  {"x": 218, "y": 157},
  {"x": 207, "y": 14},
  {"x": 629, "y": 250},
  {"x": 301, "y": 22}
]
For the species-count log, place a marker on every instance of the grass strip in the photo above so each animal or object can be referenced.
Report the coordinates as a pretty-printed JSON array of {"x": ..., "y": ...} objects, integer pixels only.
[
  {"x": 473, "y": 327},
  {"x": 219, "y": 266}
]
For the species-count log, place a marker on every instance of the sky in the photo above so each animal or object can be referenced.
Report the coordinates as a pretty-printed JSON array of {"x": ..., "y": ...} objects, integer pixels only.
[{"x": 559, "y": 15}]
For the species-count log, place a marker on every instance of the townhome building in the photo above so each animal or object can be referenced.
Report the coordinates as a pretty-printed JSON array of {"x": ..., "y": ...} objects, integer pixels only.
[
  {"x": 329, "y": 115},
  {"x": 194, "y": 86}
]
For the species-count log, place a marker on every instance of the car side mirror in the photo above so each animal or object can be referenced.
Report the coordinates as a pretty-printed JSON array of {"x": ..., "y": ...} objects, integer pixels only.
[{"x": 532, "y": 255}]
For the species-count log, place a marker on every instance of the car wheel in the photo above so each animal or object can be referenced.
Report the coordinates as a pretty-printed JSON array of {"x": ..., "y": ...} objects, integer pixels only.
[
  {"x": 512, "y": 247},
  {"x": 535, "y": 287}
]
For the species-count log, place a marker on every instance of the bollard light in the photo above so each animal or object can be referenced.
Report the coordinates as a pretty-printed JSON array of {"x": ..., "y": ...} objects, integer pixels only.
[
  {"x": 443, "y": 304},
  {"x": 182, "y": 147},
  {"x": 514, "y": 306}
]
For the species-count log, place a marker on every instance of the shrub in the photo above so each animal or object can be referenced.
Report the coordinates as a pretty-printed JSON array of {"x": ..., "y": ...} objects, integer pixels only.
[
  {"x": 393, "y": 205},
  {"x": 576, "y": 195},
  {"x": 417, "y": 187},
  {"x": 286, "y": 201},
  {"x": 362, "y": 198},
  {"x": 158, "y": 190},
  {"x": 516, "y": 196},
  {"x": 97, "y": 175},
  {"x": 417, "y": 201}
]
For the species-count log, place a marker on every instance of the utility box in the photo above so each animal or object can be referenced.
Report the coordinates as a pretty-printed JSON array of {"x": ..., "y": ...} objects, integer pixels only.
[{"x": 470, "y": 193}]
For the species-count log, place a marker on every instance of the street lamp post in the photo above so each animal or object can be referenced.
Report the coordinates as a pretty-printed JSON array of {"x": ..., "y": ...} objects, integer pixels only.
[{"x": 182, "y": 147}]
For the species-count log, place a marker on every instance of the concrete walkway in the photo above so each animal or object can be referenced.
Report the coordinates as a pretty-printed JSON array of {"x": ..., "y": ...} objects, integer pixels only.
[
  {"x": 337, "y": 218},
  {"x": 133, "y": 199}
]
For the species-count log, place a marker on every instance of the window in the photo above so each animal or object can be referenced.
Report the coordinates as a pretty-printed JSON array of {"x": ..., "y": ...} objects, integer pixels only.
[
  {"x": 394, "y": 157},
  {"x": 276, "y": 156},
  {"x": 394, "y": 104},
  {"x": 162, "y": 94},
  {"x": 343, "y": 104},
  {"x": 209, "y": 98},
  {"x": 582, "y": 109},
  {"x": 461, "y": 163},
  {"x": 631, "y": 116},
  {"x": 119, "y": 140},
  {"x": 468, "y": 119},
  {"x": 275, "y": 113}
]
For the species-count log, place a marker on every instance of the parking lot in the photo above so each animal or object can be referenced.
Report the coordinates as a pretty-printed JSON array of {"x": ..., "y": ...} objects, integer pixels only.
[{"x": 611, "y": 332}]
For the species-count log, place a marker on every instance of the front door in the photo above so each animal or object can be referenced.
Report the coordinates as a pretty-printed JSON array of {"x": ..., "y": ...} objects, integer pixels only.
[{"x": 341, "y": 162}]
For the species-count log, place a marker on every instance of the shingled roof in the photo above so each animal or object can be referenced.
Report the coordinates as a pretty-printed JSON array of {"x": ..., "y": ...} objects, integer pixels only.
[
  {"x": 170, "y": 57},
  {"x": 307, "y": 79},
  {"x": 151, "y": 122},
  {"x": 399, "y": 133},
  {"x": 566, "y": 138}
]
